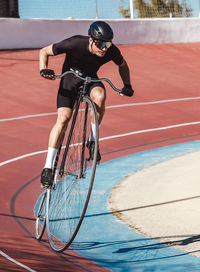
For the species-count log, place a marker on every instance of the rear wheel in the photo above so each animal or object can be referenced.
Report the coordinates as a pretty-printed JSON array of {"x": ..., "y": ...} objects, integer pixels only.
[
  {"x": 67, "y": 201},
  {"x": 40, "y": 218}
]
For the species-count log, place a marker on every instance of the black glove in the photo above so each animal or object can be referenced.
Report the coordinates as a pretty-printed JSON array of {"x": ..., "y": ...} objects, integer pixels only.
[
  {"x": 47, "y": 73},
  {"x": 127, "y": 90}
]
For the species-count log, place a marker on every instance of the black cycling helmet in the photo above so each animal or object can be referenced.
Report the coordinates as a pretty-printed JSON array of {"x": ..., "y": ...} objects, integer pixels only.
[{"x": 100, "y": 30}]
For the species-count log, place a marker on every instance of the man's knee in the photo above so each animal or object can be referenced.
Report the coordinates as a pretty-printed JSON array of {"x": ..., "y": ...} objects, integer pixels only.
[
  {"x": 64, "y": 115},
  {"x": 98, "y": 95}
]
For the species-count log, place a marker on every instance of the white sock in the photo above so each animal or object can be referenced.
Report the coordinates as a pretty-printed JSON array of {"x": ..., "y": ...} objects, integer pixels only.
[
  {"x": 92, "y": 136},
  {"x": 51, "y": 154}
]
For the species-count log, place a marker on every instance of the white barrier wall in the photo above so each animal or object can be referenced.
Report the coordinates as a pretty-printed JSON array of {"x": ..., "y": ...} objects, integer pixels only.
[{"x": 37, "y": 33}]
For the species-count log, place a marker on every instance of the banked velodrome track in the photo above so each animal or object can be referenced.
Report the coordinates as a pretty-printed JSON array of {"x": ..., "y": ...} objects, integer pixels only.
[{"x": 164, "y": 111}]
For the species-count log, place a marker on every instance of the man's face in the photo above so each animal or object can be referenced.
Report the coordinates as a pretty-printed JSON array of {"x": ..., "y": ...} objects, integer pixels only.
[{"x": 97, "y": 49}]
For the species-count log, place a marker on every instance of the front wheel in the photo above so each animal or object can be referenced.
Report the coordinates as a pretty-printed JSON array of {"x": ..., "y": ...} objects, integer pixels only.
[{"x": 68, "y": 199}]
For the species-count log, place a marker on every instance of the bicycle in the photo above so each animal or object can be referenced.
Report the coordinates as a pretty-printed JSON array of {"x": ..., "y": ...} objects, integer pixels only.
[{"x": 62, "y": 206}]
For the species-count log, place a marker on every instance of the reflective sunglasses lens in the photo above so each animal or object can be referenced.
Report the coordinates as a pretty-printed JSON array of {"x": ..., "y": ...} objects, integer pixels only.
[
  {"x": 101, "y": 44},
  {"x": 108, "y": 44}
]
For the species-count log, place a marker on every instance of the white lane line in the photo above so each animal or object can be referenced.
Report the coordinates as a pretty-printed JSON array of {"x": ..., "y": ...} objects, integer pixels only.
[
  {"x": 22, "y": 157},
  {"x": 28, "y": 116},
  {"x": 154, "y": 102},
  {"x": 16, "y": 262},
  {"x": 150, "y": 130},
  {"x": 108, "y": 138},
  {"x": 108, "y": 107}
]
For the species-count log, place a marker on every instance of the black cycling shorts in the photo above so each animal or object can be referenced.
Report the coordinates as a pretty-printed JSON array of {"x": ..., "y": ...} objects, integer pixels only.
[{"x": 67, "y": 97}]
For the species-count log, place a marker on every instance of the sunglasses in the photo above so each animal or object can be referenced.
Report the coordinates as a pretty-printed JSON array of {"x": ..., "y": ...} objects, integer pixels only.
[{"x": 101, "y": 44}]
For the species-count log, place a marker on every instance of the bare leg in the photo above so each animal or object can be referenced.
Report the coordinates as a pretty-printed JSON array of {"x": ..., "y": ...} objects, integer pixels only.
[
  {"x": 56, "y": 134},
  {"x": 64, "y": 115},
  {"x": 98, "y": 95}
]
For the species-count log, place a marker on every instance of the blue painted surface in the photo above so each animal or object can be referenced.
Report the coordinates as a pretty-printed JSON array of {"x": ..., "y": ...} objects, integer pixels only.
[{"x": 112, "y": 244}]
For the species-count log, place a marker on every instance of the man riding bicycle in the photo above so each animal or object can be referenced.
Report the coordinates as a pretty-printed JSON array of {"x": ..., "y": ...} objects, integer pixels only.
[{"x": 87, "y": 55}]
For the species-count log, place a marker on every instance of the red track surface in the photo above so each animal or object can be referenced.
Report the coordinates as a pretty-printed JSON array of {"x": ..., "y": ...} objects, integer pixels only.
[{"x": 159, "y": 72}]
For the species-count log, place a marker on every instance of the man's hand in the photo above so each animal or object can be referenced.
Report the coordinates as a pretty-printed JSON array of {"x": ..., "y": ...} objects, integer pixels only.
[
  {"x": 127, "y": 90},
  {"x": 47, "y": 73}
]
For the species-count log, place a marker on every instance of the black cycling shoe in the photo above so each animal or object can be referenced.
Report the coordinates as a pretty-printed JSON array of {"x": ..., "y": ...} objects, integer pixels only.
[
  {"x": 46, "y": 177},
  {"x": 91, "y": 145}
]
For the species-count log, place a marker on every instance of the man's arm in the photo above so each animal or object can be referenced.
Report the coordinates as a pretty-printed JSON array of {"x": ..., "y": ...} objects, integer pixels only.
[
  {"x": 124, "y": 73},
  {"x": 125, "y": 76},
  {"x": 44, "y": 57}
]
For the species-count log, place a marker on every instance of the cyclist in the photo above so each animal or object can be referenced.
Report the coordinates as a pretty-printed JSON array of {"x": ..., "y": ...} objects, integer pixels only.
[{"x": 85, "y": 54}]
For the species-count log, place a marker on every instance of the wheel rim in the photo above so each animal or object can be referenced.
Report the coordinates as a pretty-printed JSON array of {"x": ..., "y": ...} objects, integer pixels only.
[{"x": 40, "y": 216}]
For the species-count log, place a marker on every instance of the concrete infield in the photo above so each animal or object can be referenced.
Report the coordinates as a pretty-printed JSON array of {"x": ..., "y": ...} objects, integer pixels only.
[{"x": 162, "y": 201}]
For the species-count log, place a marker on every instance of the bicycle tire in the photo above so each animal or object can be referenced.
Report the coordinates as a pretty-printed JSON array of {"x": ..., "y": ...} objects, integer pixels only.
[
  {"x": 67, "y": 201},
  {"x": 40, "y": 223}
]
